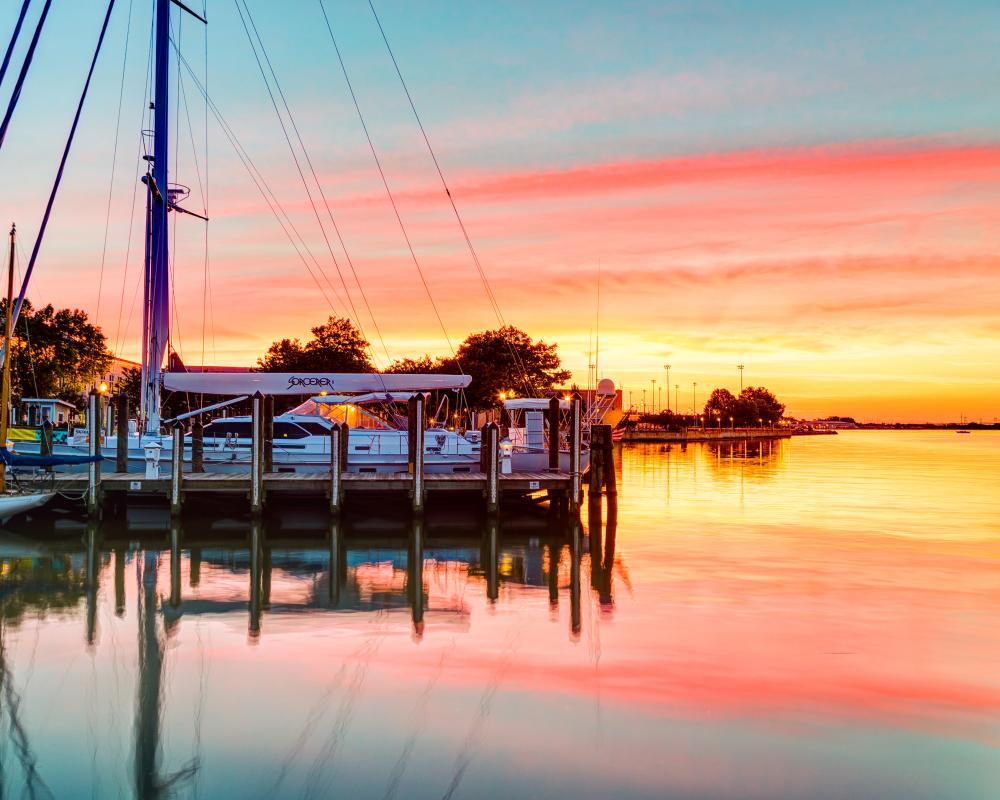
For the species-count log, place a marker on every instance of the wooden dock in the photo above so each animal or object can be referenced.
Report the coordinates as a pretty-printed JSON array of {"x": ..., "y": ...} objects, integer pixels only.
[{"x": 492, "y": 481}]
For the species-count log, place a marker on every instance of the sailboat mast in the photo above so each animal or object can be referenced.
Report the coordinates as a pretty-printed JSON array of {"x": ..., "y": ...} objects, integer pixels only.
[
  {"x": 157, "y": 265},
  {"x": 8, "y": 338}
]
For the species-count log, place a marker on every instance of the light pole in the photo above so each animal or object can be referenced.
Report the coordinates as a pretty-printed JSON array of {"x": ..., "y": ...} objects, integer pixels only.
[
  {"x": 630, "y": 398},
  {"x": 643, "y": 401},
  {"x": 661, "y": 395},
  {"x": 740, "y": 368},
  {"x": 652, "y": 396},
  {"x": 677, "y": 403},
  {"x": 694, "y": 397},
  {"x": 667, "y": 368}
]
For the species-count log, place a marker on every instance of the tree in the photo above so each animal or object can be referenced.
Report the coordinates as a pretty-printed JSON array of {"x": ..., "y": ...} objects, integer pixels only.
[
  {"x": 720, "y": 407},
  {"x": 507, "y": 359},
  {"x": 55, "y": 353},
  {"x": 336, "y": 346},
  {"x": 424, "y": 365},
  {"x": 130, "y": 384},
  {"x": 757, "y": 405}
]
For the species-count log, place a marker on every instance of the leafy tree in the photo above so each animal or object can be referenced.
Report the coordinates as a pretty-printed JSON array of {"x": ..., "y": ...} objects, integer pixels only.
[
  {"x": 130, "y": 382},
  {"x": 757, "y": 404},
  {"x": 720, "y": 407},
  {"x": 336, "y": 346},
  {"x": 424, "y": 365},
  {"x": 55, "y": 353},
  {"x": 507, "y": 359}
]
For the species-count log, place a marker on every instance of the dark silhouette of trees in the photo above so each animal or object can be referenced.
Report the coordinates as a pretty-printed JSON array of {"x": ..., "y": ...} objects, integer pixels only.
[
  {"x": 336, "y": 346},
  {"x": 755, "y": 406}
]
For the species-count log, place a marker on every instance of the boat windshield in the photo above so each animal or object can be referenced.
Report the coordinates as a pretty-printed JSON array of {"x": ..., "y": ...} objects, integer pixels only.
[{"x": 370, "y": 417}]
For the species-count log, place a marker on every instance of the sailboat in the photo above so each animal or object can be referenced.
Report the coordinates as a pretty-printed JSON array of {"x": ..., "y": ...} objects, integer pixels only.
[{"x": 302, "y": 438}]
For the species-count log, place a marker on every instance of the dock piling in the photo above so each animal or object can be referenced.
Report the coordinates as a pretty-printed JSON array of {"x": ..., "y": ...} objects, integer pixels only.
[
  {"x": 197, "y": 446},
  {"x": 492, "y": 566},
  {"x": 94, "y": 449},
  {"x": 575, "y": 548},
  {"x": 575, "y": 421},
  {"x": 257, "y": 455},
  {"x": 610, "y": 479},
  {"x": 45, "y": 443},
  {"x": 489, "y": 456},
  {"x": 336, "y": 468},
  {"x": 596, "y": 471},
  {"x": 175, "y": 563},
  {"x": 121, "y": 426},
  {"x": 553, "y": 415},
  {"x": 269, "y": 433},
  {"x": 416, "y": 574},
  {"x": 176, "y": 468},
  {"x": 335, "y": 549},
  {"x": 415, "y": 449}
]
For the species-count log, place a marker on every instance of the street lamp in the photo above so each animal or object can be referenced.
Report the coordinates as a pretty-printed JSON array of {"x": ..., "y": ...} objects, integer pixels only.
[
  {"x": 677, "y": 404},
  {"x": 694, "y": 397},
  {"x": 643, "y": 401},
  {"x": 740, "y": 368},
  {"x": 652, "y": 398},
  {"x": 667, "y": 368},
  {"x": 732, "y": 425}
]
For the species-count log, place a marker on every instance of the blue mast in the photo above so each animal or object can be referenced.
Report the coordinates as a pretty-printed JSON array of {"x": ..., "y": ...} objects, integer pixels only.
[{"x": 156, "y": 295}]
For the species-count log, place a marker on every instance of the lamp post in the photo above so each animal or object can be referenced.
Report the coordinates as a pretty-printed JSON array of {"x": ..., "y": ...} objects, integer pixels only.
[
  {"x": 732, "y": 425},
  {"x": 643, "y": 401},
  {"x": 694, "y": 397},
  {"x": 667, "y": 368},
  {"x": 740, "y": 368},
  {"x": 677, "y": 404},
  {"x": 652, "y": 397}
]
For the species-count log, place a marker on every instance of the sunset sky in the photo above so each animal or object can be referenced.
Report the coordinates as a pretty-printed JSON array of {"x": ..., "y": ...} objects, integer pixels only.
[{"x": 812, "y": 190}]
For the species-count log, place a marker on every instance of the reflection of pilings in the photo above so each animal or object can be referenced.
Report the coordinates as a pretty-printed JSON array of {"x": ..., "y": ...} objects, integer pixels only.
[
  {"x": 604, "y": 593},
  {"x": 147, "y": 721},
  {"x": 256, "y": 535},
  {"x": 194, "y": 567},
  {"x": 594, "y": 523},
  {"x": 336, "y": 546},
  {"x": 175, "y": 562},
  {"x": 575, "y": 547},
  {"x": 415, "y": 568},
  {"x": 93, "y": 571},
  {"x": 265, "y": 577},
  {"x": 555, "y": 554},
  {"x": 119, "y": 581},
  {"x": 490, "y": 548}
]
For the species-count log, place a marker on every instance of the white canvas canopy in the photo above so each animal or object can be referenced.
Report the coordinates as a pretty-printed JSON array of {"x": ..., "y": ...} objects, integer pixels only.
[
  {"x": 532, "y": 404},
  {"x": 311, "y": 383}
]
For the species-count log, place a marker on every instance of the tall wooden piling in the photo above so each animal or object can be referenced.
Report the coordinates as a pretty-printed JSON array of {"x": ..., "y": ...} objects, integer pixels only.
[
  {"x": 45, "y": 441},
  {"x": 257, "y": 455},
  {"x": 176, "y": 469},
  {"x": 94, "y": 450},
  {"x": 610, "y": 478},
  {"x": 575, "y": 444},
  {"x": 121, "y": 428},
  {"x": 269, "y": 433},
  {"x": 197, "y": 446},
  {"x": 553, "y": 415},
  {"x": 415, "y": 449},
  {"x": 596, "y": 470},
  {"x": 489, "y": 457},
  {"x": 336, "y": 468}
]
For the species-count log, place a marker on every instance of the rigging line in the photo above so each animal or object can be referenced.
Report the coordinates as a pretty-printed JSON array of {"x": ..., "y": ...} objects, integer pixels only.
[
  {"x": 257, "y": 177},
  {"x": 114, "y": 162},
  {"x": 19, "y": 84},
  {"x": 388, "y": 191},
  {"x": 298, "y": 167},
  {"x": 322, "y": 195},
  {"x": 491, "y": 297},
  {"x": 62, "y": 163},
  {"x": 13, "y": 40}
]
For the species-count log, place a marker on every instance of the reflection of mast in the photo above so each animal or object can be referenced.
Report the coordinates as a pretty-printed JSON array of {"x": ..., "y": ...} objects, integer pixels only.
[
  {"x": 147, "y": 721},
  {"x": 415, "y": 578}
]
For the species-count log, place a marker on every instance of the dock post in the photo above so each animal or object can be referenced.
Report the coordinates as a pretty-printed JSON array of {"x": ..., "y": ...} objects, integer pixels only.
[
  {"x": 269, "y": 433},
  {"x": 574, "y": 452},
  {"x": 416, "y": 574},
  {"x": 257, "y": 455},
  {"x": 121, "y": 425},
  {"x": 492, "y": 566},
  {"x": 415, "y": 451},
  {"x": 94, "y": 449},
  {"x": 596, "y": 471},
  {"x": 336, "y": 468},
  {"x": 553, "y": 415},
  {"x": 610, "y": 479},
  {"x": 176, "y": 469},
  {"x": 197, "y": 446},
  {"x": 490, "y": 458}
]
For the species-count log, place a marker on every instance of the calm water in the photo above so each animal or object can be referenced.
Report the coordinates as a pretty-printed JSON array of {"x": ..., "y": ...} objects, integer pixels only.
[{"x": 817, "y": 618}]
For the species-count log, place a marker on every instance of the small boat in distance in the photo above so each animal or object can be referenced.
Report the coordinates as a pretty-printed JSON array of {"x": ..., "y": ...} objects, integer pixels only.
[{"x": 963, "y": 431}]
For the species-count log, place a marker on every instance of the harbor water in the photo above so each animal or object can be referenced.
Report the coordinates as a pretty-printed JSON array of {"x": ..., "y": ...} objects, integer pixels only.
[{"x": 814, "y": 617}]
